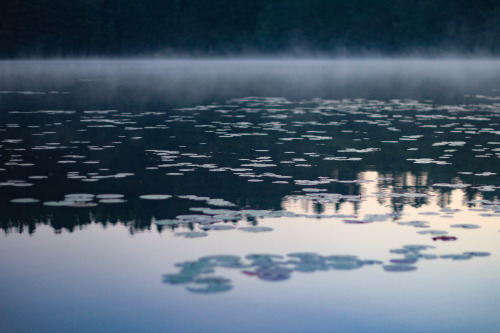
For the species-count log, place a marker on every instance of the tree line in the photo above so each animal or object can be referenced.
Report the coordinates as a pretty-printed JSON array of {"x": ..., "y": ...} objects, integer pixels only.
[{"x": 51, "y": 28}]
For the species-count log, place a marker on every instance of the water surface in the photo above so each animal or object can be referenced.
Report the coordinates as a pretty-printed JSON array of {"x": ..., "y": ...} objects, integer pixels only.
[{"x": 279, "y": 195}]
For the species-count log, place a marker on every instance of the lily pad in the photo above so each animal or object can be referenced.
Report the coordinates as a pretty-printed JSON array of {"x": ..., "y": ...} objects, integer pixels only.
[
  {"x": 433, "y": 232},
  {"x": 404, "y": 261},
  {"x": 478, "y": 254},
  {"x": 74, "y": 196},
  {"x": 462, "y": 256},
  {"x": 219, "y": 227},
  {"x": 112, "y": 201},
  {"x": 346, "y": 264},
  {"x": 256, "y": 229},
  {"x": 465, "y": 226},
  {"x": 371, "y": 262},
  {"x": 155, "y": 196},
  {"x": 399, "y": 251},
  {"x": 356, "y": 221},
  {"x": 109, "y": 196},
  {"x": 261, "y": 257},
  {"x": 417, "y": 248},
  {"x": 273, "y": 274},
  {"x": 192, "y": 234},
  {"x": 24, "y": 200},
  {"x": 399, "y": 268},
  {"x": 428, "y": 256}
]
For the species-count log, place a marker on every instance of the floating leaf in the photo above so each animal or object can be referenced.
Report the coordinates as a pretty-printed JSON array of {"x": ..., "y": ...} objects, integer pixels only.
[
  {"x": 109, "y": 196},
  {"x": 399, "y": 251},
  {"x": 477, "y": 254},
  {"x": 346, "y": 264},
  {"x": 273, "y": 273},
  {"x": 444, "y": 238},
  {"x": 112, "y": 201},
  {"x": 256, "y": 229},
  {"x": 465, "y": 226},
  {"x": 263, "y": 256},
  {"x": 371, "y": 262},
  {"x": 433, "y": 232},
  {"x": 404, "y": 261},
  {"x": 463, "y": 256},
  {"x": 79, "y": 196},
  {"x": 417, "y": 248},
  {"x": 24, "y": 200},
  {"x": 219, "y": 227},
  {"x": 399, "y": 268},
  {"x": 192, "y": 234},
  {"x": 356, "y": 221},
  {"x": 428, "y": 256},
  {"x": 155, "y": 196}
]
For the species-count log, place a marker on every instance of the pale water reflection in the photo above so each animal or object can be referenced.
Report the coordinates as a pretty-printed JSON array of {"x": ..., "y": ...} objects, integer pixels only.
[{"x": 370, "y": 206}]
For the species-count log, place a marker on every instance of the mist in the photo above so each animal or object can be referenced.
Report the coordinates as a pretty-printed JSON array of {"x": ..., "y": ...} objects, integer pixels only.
[{"x": 179, "y": 82}]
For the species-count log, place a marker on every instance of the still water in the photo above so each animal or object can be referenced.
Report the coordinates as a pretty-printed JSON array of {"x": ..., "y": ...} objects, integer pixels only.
[{"x": 243, "y": 195}]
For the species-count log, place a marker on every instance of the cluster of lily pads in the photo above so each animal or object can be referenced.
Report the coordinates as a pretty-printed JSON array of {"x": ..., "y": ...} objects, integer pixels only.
[
  {"x": 198, "y": 275},
  {"x": 220, "y": 219},
  {"x": 287, "y": 137},
  {"x": 412, "y": 254},
  {"x": 86, "y": 200}
]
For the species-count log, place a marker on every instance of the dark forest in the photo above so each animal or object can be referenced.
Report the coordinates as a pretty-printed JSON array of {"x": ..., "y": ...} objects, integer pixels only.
[{"x": 55, "y": 28}]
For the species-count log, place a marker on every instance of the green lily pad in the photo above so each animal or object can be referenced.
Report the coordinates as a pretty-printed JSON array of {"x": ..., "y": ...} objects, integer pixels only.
[
  {"x": 263, "y": 256},
  {"x": 155, "y": 196},
  {"x": 112, "y": 201},
  {"x": 256, "y": 229},
  {"x": 305, "y": 267},
  {"x": 428, "y": 256},
  {"x": 24, "y": 200},
  {"x": 79, "y": 195},
  {"x": 399, "y": 268},
  {"x": 341, "y": 258},
  {"x": 371, "y": 262},
  {"x": 399, "y": 251},
  {"x": 273, "y": 274},
  {"x": 219, "y": 227},
  {"x": 478, "y": 254},
  {"x": 433, "y": 232},
  {"x": 192, "y": 234},
  {"x": 404, "y": 261},
  {"x": 109, "y": 196},
  {"x": 465, "y": 226},
  {"x": 346, "y": 264},
  {"x": 457, "y": 256}
]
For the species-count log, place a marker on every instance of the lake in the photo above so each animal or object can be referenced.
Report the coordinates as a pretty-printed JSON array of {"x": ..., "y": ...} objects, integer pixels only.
[{"x": 235, "y": 195}]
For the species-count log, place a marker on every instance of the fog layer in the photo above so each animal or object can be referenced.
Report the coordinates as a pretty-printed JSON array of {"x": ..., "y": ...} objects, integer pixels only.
[{"x": 186, "y": 82}]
